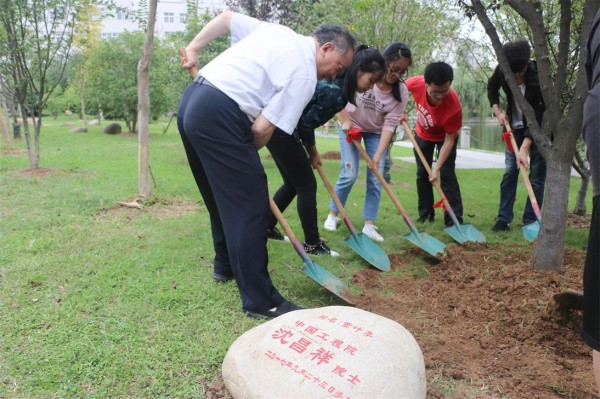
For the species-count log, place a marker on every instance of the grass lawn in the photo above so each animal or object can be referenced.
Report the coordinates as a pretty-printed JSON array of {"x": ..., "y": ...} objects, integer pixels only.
[{"x": 99, "y": 300}]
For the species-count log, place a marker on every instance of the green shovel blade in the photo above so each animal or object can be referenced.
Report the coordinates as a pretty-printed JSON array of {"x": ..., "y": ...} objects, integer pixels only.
[
  {"x": 531, "y": 230},
  {"x": 328, "y": 280},
  {"x": 465, "y": 232},
  {"x": 369, "y": 251},
  {"x": 426, "y": 242}
]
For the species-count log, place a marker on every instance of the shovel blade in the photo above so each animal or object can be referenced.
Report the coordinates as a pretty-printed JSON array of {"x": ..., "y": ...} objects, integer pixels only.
[
  {"x": 531, "y": 230},
  {"x": 369, "y": 251},
  {"x": 327, "y": 280},
  {"x": 426, "y": 242},
  {"x": 464, "y": 233}
]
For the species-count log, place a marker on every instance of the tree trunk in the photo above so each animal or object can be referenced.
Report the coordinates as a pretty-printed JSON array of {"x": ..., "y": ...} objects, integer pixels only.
[
  {"x": 82, "y": 99},
  {"x": 4, "y": 127},
  {"x": 549, "y": 251},
  {"x": 143, "y": 117},
  {"x": 33, "y": 159}
]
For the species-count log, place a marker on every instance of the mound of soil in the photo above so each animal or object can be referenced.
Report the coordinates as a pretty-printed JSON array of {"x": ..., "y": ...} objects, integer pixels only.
[{"x": 487, "y": 324}]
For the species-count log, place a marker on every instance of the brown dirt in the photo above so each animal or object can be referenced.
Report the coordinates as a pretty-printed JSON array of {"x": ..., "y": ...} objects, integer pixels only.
[
  {"x": 487, "y": 325},
  {"x": 579, "y": 221},
  {"x": 331, "y": 155},
  {"x": 158, "y": 208}
]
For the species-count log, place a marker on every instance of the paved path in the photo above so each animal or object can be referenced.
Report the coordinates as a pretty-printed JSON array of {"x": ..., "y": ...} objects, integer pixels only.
[{"x": 465, "y": 159}]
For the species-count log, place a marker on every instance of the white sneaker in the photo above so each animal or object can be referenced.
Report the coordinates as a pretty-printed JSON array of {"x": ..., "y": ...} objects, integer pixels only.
[
  {"x": 370, "y": 230},
  {"x": 332, "y": 223}
]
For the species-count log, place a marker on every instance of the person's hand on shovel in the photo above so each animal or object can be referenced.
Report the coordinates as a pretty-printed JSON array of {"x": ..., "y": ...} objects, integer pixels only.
[
  {"x": 435, "y": 173},
  {"x": 522, "y": 156}
]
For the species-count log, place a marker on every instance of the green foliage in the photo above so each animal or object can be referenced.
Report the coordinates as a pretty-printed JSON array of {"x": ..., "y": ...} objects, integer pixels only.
[{"x": 112, "y": 81}]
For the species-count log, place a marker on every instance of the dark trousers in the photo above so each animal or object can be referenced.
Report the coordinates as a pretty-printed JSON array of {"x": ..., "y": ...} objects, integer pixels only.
[
  {"x": 510, "y": 179},
  {"x": 298, "y": 179},
  {"x": 447, "y": 177},
  {"x": 219, "y": 144},
  {"x": 591, "y": 282}
]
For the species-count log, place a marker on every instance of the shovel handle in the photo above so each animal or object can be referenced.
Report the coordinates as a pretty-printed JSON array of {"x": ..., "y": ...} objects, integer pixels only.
[
  {"x": 288, "y": 231},
  {"x": 436, "y": 182},
  {"x": 385, "y": 185},
  {"x": 193, "y": 70},
  {"x": 336, "y": 199},
  {"x": 523, "y": 169}
]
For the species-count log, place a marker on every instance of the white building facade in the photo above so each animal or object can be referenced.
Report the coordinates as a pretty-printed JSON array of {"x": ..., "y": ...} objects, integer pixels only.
[{"x": 171, "y": 16}]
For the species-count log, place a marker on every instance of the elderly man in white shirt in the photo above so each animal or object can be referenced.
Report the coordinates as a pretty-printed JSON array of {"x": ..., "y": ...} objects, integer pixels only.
[{"x": 263, "y": 81}]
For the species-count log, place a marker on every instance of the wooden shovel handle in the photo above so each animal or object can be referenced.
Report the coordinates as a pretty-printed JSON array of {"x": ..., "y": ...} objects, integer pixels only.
[
  {"x": 385, "y": 185},
  {"x": 523, "y": 169},
  {"x": 193, "y": 70},
  {"x": 436, "y": 183}
]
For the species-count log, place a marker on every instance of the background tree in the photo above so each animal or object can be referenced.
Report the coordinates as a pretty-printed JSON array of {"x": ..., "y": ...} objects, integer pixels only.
[
  {"x": 143, "y": 71},
  {"x": 35, "y": 38},
  {"x": 112, "y": 80},
  {"x": 561, "y": 125},
  {"x": 86, "y": 39}
]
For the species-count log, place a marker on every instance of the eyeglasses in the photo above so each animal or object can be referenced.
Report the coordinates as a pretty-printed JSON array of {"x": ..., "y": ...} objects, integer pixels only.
[
  {"x": 438, "y": 93},
  {"x": 398, "y": 72}
]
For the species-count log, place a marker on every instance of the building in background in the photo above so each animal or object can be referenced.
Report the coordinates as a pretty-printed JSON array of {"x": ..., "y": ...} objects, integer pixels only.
[{"x": 171, "y": 16}]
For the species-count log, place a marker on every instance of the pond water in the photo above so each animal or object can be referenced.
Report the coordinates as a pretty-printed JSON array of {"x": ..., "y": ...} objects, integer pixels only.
[{"x": 486, "y": 134}]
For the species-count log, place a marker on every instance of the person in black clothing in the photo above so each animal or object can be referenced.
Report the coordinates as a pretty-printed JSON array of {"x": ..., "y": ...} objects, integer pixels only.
[
  {"x": 591, "y": 134},
  {"x": 518, "y": 54},
  {"x": 289, "y": 152}
]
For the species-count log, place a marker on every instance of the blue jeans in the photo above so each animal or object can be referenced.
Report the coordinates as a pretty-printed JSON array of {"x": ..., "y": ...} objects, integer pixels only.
[
  {"x": 349, "y": 163},
  {"x": 508, "y": 186}
]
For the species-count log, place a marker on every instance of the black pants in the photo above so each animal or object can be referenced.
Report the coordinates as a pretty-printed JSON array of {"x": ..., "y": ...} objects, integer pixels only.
[
  {"x": 447, "y": 177},
  {"x": 591, "y": 282},
  {"x": 298, "y": 179},
  {"x": 219, "y": 144}
]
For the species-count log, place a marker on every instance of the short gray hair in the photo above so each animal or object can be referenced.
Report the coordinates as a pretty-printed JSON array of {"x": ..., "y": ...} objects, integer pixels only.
[{"x": 338, "y": 35}]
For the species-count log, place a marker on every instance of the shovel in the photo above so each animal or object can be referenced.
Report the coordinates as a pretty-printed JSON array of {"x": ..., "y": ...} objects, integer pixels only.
[
  {"x": 360, "y": 243},
  {"x": 461, "y": 233},
  {"x": 531, "y": 230},
  {"x": 312, "y": 269},
  {"x": 421, "y": 240}
]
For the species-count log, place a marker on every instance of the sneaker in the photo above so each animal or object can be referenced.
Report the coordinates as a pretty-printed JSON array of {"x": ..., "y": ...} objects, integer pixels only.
[
  {"x": 285, "y": 307},
  {"x": 275, "y": 234},
  {"x": 424, "y": 218},
  {"x": 332, "y": 223},
  {"x": 500, "y": 226},
  {"x": 319, "y": 249},
  {"x": 370, "y": 230}
]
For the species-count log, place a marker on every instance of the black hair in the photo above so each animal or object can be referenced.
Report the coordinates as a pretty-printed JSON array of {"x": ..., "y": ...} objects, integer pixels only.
[
  {"x": 392, "y": 52},
  {"x": 439, "y": 73},
  {"x": 365, "y": 59},
  {"x": 518, "y": 54},
  {"x": 341, "y": 38}
]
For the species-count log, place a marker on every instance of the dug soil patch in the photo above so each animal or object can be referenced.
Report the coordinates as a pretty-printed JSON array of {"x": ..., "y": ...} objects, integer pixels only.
[{"x": 487, "y": 325}]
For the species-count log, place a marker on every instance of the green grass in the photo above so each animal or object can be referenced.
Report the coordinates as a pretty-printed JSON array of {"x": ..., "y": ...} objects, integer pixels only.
[{"x": 102, "y": 301}]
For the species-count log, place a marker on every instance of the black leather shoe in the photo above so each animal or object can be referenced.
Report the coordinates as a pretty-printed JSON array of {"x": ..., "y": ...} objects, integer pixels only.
[
  {"x": 450, "y": 223},
  {"x": 222, "y": 278},
  {"x": 570, "y": 299},
  {"x": 285, "y": 307}
]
